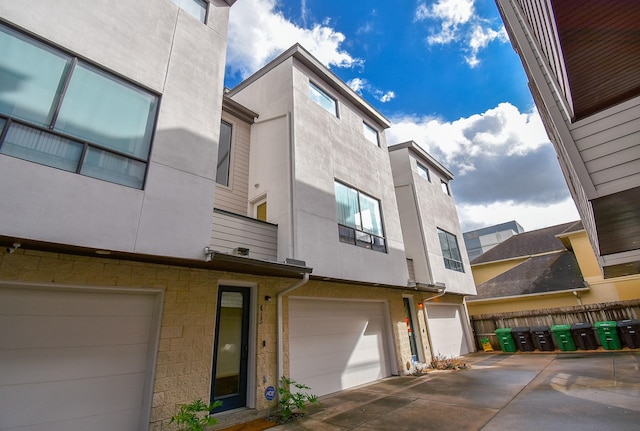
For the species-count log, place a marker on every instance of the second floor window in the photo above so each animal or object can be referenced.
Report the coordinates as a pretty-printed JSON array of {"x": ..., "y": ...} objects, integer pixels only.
[
  {"x": 224, "y": 154},
  {"x": 323, "y": 99},
  {"x": 450, "y": 251},
  {"x": 359, "y": 218},
  {"x": 60, "y": 111}
]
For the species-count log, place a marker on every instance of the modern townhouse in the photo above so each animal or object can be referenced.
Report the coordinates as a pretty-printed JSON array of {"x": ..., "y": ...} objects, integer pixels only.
[{"x": 435, "y": 252}]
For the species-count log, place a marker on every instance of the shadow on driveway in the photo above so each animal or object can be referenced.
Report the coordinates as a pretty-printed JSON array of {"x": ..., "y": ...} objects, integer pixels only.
[{"x": 592, "y": 391}]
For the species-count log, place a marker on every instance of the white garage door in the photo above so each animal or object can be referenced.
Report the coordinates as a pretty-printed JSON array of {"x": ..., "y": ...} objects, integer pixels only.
[
  {"x": 447, "y": 330},
  {"x": 334, "y": 345},
  {"x": 74, "y": 359}
]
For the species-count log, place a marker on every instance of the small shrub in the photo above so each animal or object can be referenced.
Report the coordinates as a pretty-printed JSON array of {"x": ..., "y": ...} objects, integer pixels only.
[
  {"x": 440, "y": 362},
  {"x": 293, "y": 402},
  {"x": 195, "y": 416}
]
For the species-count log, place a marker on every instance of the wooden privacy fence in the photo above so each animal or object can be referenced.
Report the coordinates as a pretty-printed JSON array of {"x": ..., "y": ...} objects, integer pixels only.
[{"x": 485, "y": 325}]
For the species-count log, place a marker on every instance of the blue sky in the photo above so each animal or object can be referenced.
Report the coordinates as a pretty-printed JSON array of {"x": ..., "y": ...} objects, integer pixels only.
[{"x": 444, "y": 73}]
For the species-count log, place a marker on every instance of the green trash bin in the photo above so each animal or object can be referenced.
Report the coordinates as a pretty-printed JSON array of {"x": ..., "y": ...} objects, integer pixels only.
[
  {"x": 506, "y": 339},
  {"x": 608, "y": 335},
  {"x": 563, "y": 338}
]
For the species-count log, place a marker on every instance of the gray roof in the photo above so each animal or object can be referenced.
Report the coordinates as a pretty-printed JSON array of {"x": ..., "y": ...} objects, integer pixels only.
[{"x": 553, "y": 272}]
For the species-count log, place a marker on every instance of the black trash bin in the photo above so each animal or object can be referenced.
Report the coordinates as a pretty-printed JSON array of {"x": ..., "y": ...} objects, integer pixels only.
[
  {"x": 522, "y": 338},
  {"x": 542, "y": 339},
  {"x": 630, "y": 333},
  {"x": 583, "y": 335}
]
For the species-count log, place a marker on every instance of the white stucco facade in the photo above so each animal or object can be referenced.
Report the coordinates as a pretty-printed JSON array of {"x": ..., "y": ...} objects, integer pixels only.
[
  {"x": 299, "y": 150},
  {"x": 152, "y": 45}
]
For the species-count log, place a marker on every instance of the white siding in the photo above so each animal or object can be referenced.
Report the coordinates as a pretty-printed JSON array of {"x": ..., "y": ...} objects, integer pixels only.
[{"x": 230, "y": 232}]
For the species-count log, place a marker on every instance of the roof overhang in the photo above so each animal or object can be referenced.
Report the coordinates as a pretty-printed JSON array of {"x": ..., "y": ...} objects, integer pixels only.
[
  {"x": 304, "y": 57},
  {"x": 217, "y": 261},
  {"x": 418, "y": 151}
]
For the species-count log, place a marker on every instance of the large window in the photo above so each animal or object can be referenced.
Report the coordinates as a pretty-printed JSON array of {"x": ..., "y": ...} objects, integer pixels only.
[
  {"x": 195, "y": 8},
  {"x": 61, "y": 112},
  {"x": 224, "y": 154},
  {"x": 359, "y": 218},
  {"x": 450, "y": 251},
  {"x": 323, "y": 99}
]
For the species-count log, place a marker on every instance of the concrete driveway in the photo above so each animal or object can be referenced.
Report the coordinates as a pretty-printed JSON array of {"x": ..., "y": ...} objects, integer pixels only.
[{"x": 582, "y": 391}]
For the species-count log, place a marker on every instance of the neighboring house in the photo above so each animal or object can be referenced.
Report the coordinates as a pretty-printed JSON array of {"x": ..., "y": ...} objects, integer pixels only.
[
  {"x": 545, "y": 268},
  {"x": 435, "y": 255},
  {"x": 481, "y": 240},
  {"x": 160, "y": 234},
  {"x": 583, "y": 67}
]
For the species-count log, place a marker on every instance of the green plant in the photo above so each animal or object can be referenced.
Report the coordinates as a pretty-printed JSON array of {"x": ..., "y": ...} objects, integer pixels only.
[
  {"x": 440, "y": 362},
  {"x": 293, "y": 402},
  {"x": 196, "y": 415}
]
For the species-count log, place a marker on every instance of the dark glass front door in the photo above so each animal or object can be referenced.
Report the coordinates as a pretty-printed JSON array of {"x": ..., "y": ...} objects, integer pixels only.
[{"x": 231, "y": 353}]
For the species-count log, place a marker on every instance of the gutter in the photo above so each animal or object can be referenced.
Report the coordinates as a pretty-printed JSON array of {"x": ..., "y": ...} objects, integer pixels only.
[
  {"x": 300, "y": 283},
  {"x": 529, "y": 295}
]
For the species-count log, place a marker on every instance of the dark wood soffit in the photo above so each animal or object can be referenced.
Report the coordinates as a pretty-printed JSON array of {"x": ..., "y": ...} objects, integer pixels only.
[{"x": 601, "y": 46}]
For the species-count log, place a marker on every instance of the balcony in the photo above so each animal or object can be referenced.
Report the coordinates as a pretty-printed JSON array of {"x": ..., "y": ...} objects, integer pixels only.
[{"x": 236, "y": 234}]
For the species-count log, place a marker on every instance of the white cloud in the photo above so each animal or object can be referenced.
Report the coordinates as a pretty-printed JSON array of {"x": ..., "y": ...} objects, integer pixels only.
[
  {"x": 457, "y": 22},
  {"x": 360, "y": 86},
  {"x": 480, "y": 38},
  {"x": 504, "y": 165},
  {"x": 450, "y": 13},
  {"x": 258, "y": 32},
  {"x": 386, "y": 97},
  {"x": 531, "y": 217}
]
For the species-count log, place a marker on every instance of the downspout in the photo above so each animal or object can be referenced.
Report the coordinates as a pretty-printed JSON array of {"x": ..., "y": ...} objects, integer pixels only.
[{"x": 300, "y": 283}]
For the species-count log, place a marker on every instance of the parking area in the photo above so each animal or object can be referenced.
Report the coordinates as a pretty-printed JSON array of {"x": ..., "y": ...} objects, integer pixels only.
[{"x": 585, "y": 391}]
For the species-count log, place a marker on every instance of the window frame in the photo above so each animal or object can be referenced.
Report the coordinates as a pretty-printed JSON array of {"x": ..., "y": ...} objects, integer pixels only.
[
  {"x": 88, "y": 145},
  {"x": 423, "y": 169},
  {"x": 366, "y": 127},
  {"x": 360, "y": 236},
  {"x": 203, "y": 19},
  {"x": 445, "y": 187},
  {"x": 229, "y": 153},
  {"x": 450, "y": 262},
  {"x": 315, "y": 87}
]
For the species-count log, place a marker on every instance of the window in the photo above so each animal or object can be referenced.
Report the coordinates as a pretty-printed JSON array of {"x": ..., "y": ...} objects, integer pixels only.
[
  {"x": 450, "y": 251},
  {"x": 224, "y": 154},
  {"x": 359, "y": 219},
  {"x": 370, "y": 133},
  {"x": 61, "y": 112},
  {"x": 423, "y": 172},
  {"x": 195, "y": 8},
  {"x": 323, "y": 99},
  {"x": 445, "y": 187}
]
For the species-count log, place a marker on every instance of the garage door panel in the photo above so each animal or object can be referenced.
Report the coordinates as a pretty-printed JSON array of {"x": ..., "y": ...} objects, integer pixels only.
[
  {"x": 43, "y": 365},
  {"x": 105, "y": 422},
  {"x": 446, "y": 329},
  {"x": 74, "y": 331},
  {"x": 334, "y": 345},
  {"x": 75, "y": 359},
  {"x": 55, "y": 302},
  {"x": 50, "y": 402}
]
